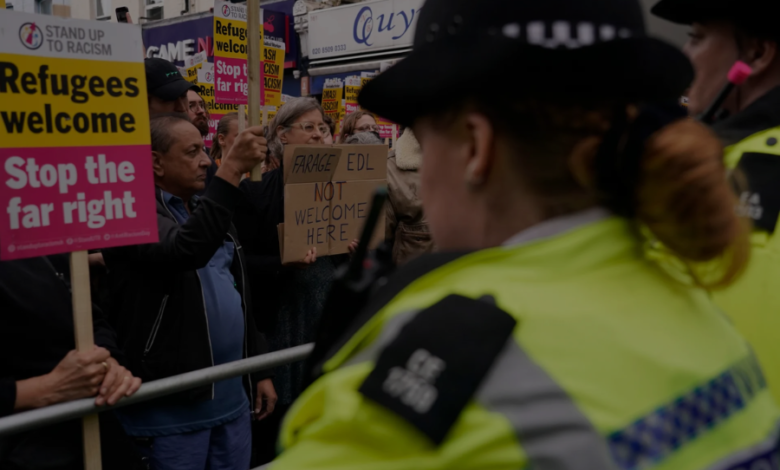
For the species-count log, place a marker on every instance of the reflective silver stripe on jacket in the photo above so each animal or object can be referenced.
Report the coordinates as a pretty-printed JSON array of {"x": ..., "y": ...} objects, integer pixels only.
[{"x": 553, "y": 432}]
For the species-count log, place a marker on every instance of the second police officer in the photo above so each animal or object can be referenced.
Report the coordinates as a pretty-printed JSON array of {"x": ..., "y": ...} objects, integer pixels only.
[
  {"x": 543, "y": 337},
  {"x": 723, "y": 32}
]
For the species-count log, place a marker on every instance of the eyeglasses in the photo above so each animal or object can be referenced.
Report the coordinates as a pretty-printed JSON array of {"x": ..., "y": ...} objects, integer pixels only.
[
  {"x": 310, "y": 127},
  {"x": 195, "y": 105},
  {"x": 368, "y": 128}
]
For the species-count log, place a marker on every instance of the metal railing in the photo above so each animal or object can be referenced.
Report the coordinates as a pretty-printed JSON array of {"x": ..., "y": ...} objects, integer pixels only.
[{"x": 28, "y": 420}]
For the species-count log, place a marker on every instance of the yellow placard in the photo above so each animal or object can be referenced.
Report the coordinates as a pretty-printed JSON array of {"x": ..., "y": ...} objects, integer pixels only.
[
  {"x": 191, "y": 73},
  {"x": 230, "y": 38},
  {"x": 273, "y": 74},
  {"x": 49, "y": 102},
  {"x": 352, "y": 93},
  {"x": 332, "y": 104}
]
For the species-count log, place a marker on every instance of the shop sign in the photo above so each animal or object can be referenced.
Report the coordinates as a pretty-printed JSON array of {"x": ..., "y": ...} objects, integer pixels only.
[{"x": 362, "y": 27}]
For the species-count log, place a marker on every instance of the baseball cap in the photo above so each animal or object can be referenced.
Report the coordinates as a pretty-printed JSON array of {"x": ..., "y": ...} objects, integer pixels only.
[{"x": 164, "y": 80}]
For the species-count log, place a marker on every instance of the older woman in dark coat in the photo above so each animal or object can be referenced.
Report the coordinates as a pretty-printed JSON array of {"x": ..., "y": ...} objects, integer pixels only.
[{"x": 289, "y": 297}]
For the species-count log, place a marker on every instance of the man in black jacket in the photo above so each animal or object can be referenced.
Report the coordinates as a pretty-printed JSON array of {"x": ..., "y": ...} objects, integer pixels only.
[{"x": 181, "y": 304}]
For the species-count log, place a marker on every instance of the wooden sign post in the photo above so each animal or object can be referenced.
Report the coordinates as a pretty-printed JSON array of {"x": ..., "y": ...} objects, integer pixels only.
[
  {"x": 85, "y": 341},
  {"x": 254, "y": 77}
]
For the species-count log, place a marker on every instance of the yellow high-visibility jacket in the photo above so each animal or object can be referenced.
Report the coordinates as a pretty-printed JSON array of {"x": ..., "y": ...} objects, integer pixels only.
[
  {"x": 753, "y": 302},
  {"x": 568, "y": 351}
]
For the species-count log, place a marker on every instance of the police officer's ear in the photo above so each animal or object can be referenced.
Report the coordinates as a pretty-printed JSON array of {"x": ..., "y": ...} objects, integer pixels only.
[
  {"x": 582, "y": 161},
  {"x": 760, "y": 54},
  {"x": 482, "y": 148}
]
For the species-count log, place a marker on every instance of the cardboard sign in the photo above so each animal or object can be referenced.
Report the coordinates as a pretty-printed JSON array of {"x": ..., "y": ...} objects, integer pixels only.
[
  {"x": 327, "y": 195},
  {"x": 75, "y": 168},
  {"x": 332, "y": 96},
  {"x": 273, "y": 71},
  {"x": 230, "y": 54}
]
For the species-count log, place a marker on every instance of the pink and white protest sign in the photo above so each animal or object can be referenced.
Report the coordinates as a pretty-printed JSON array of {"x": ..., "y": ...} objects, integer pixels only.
[
  {"x": 75, "y": 166},
  {"x": 231, "y": 78}
]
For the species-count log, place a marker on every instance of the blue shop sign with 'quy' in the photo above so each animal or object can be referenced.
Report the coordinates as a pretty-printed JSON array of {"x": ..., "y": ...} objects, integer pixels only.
[{"x": 362, "y": 27}]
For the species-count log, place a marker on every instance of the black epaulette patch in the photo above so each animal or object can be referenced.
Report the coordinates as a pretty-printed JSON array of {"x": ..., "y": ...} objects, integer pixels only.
[
  {"x": 428, "y": 374},
  {"x": 761, "y": 201}
]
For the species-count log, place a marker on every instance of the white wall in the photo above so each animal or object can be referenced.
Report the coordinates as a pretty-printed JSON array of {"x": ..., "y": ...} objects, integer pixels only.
[
  {"x": 171, "y": 8},
  {"x": 79, "y": 9},
  {"x": 28, "y": 6}
]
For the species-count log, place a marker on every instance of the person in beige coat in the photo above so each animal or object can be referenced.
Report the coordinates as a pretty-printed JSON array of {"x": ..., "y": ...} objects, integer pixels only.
[{"x": 406, "y": 226}]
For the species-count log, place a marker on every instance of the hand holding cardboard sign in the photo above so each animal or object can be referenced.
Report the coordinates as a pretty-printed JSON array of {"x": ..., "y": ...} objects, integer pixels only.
[
  {"x": 308, "y": 260},
  {"x": 249, "y": 150}
]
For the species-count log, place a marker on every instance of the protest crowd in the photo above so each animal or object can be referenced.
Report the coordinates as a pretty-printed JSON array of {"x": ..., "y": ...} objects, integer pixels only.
[{"x": 581, "y": 274}]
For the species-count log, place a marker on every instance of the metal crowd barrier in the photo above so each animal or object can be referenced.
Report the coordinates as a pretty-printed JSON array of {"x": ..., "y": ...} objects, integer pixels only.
[{"x": 28, "y": 420}]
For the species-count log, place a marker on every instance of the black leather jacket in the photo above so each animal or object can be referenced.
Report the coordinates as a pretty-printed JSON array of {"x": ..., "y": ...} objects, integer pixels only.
[{"x": 157, "y": 304}]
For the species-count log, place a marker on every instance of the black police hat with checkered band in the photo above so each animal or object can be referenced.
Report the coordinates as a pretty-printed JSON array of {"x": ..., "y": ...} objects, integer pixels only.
[
  {"x": 562, "y": 49},
  {"x": 759, "y": 17}
]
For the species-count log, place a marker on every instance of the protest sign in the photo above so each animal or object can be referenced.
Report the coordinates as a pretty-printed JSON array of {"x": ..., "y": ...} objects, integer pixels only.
[
  {"x": 215, "y": 110},
  {"x": 273, "y": 71},
  {"x": 352, "y": 86},
  {"x": 387, "y": 129},
  {"x": 332, "y": 96},
  {"x": 272, "y": 110},
  {"x": 231, "y": 34},
  {"x": 74, "y": 152},
  {"x": 327, "y": 195},
  {"x": 192, "y": 65},
  {"x": 74, "y": 137}
]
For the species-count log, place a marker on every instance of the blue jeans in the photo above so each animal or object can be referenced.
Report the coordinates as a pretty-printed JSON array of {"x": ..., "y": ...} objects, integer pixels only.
[{"x": 224, "y": 447}]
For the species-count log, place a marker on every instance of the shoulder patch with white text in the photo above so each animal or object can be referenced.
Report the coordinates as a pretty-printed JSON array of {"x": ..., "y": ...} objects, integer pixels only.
[
  {"x": 431, "y": 370},
  {"x": 761, "y": 201}
]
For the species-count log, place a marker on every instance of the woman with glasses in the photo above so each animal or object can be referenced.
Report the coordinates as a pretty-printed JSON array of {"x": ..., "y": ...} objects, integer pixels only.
[
  {"x": 354, "y": 123},
  {"x": 288, "y": 297}
]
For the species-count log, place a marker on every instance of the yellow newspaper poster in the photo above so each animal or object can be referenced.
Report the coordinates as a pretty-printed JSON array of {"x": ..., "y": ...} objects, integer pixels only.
[
  {"x": 352, "y": 86},
  {"x": 332, "y": 98},
  {"x": 273, "y": 71}
]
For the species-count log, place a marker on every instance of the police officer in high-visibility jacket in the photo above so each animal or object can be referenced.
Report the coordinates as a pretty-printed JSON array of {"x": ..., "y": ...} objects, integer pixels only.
[
  {"x": 723, "y": 32},
  {"x": 543, "y": 337}
]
